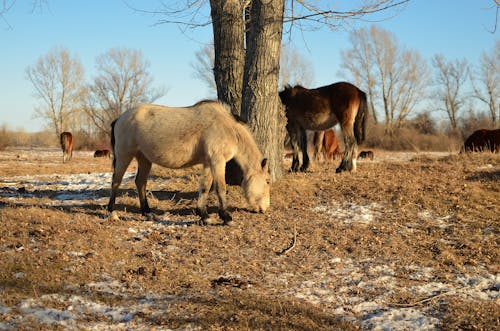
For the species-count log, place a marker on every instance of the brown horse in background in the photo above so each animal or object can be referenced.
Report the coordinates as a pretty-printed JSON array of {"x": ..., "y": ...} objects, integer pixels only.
[
  {"x": 366, "y": 155},
  {"x": 66, "y": 140},
  {"x": 102, "y": 153},
  {"x": 483, "y": 140},
  {"x": 326, "y": 144},
  {"x": 320, "y": 109}
]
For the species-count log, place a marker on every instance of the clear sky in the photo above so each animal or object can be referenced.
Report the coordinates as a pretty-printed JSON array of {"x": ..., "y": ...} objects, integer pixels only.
[{"x": 88, "y": 28}]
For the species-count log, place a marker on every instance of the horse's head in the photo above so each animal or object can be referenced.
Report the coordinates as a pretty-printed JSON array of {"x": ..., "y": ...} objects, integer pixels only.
[{"x": 256, "y": 188}]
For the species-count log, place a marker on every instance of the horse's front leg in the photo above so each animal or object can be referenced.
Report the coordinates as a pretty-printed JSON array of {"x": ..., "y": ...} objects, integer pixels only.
[
  {"x": 303, "y": 146},
  {"x": 219, "y": 171},
  {"x": 294, "y": 141},
  {"x": 143, "y": 169},
  {"x": 205, "y": 185}
]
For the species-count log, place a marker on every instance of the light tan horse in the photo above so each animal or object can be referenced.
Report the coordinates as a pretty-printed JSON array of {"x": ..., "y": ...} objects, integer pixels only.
[
  {"x": 66, "y": 140},
  {"x": 205, "y": 133}
]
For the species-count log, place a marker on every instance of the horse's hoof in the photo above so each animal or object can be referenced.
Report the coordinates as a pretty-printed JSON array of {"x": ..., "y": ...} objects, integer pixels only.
[
  {"x": 149, "y": 216},
  {"x": 208, "y": 221},
  {"x": 225, "y": 216},
  {"x": 114, "y": 216}
]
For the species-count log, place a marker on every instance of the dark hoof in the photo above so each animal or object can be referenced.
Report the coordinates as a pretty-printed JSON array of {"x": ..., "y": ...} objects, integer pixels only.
[
  {"x": 149, "y": 216},
  {"x": 225, "y": 216}
]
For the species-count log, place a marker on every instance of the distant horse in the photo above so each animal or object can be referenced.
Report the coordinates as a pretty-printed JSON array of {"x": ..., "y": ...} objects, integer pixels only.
[
  {"x": 365, "y": 155},
  {"x": 102, "y": 153},
  {"x": 320, "y": 109},
  {"x": 205, "y": 133},
  {"x": 483, "y": 140},
  {"x": 66, "y": 140},
  {"x": 326, "y": 144}
]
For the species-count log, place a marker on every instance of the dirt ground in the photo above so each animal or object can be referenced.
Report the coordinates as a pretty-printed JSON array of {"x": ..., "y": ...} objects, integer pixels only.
[{"x": 410, "y": 241}]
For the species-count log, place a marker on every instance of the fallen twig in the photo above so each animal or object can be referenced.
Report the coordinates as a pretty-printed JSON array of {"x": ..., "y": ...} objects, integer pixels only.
[
  {"x": 419, "y": 302},
  {"x": 292, "y": 244}
]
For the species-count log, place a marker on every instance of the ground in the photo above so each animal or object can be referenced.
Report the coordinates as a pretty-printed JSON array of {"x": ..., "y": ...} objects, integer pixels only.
[{"x": 410, "y": 241}]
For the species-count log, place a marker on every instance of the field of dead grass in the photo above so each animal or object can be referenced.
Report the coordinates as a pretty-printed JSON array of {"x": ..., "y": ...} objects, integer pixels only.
[{"x": 410, "y": 241}]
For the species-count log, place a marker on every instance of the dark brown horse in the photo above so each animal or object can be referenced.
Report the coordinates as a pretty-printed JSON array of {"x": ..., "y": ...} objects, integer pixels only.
[
  {"x": 66, "y": 140},
  {"x": 483, "y": 140},
  {"x": 320, "y": 109},
  {"x": 365, "y": 155},
  {"x": 102, "y": 153}
]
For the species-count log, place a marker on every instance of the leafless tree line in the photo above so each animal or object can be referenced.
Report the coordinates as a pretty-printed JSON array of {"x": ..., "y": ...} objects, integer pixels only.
[
  {"x": 67, "y": 103},
  {"x": 397, "y": 80}
]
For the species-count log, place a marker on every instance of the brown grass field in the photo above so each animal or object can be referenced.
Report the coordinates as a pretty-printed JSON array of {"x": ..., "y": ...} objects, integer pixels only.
[{"x": 408, "y": 242}]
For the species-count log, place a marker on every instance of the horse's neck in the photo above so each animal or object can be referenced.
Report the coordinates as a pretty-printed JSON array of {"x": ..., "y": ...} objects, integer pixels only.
[{"x": 247, "y": 156}]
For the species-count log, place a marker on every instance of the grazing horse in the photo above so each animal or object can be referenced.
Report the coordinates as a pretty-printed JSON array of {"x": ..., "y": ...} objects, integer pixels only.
[
  {"x": 205, "y": 133},
  {"x": 365, "y": 155},
  {"x": 66, "y": 140},
  {"x": 102, "y": 153},
  {"x": 327, "y": 142},
  {"x": 320, "y": 109},
  {"x": 482, "y": 140}
]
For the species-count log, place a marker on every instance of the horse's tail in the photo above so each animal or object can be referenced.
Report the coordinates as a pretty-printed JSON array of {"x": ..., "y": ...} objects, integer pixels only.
[
  {"x": 360, "y": 121},
  {"x": 113, "y": 142}
]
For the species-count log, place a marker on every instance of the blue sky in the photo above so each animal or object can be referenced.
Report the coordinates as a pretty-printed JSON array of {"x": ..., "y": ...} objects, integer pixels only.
[{"x": 88, "y": 28}]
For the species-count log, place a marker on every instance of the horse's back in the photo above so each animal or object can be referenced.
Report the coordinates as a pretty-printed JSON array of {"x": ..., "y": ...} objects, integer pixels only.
[{"x": 173, "y": 137}]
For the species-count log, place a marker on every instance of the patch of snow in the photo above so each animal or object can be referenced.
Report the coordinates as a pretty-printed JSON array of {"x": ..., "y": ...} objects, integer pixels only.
[
  {"x": 349, "y": 213},
  {"x": 361, "y": 291}
]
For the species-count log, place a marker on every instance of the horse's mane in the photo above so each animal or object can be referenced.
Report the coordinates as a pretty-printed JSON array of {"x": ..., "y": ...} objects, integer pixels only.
[
  {"x": 297, "y": 86},
  {"x": 205, "y": 101},
  {"x": 236, "y": 117}
]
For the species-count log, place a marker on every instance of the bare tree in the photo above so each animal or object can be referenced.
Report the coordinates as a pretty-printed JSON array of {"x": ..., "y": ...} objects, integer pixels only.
[
  {"x": 261, "y": 106},
  {"x": 203, "y": 66},
  {"x": 359, "y": 63},
  {"x": 57, "y": 79},
  {"x": 294, "y": 67},
  {"x": 123, "y": 81},
  {"x": 394, "y": 78},
  {"x": 450, "y": 78},
  {"x": 488, "y": 79}
]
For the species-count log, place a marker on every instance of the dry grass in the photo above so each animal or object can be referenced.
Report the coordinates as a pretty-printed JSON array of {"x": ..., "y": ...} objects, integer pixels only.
[{"x": 439, "y": 213}]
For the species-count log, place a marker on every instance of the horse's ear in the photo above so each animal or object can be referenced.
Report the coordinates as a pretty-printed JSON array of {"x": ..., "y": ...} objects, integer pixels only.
[{"x": 264, "y": 164}]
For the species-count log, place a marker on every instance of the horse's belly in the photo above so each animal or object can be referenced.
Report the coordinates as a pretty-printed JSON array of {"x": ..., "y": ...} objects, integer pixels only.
[{"x": 174, "y": 157}]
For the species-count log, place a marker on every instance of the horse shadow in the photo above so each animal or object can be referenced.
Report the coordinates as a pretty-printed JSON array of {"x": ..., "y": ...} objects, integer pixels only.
[
  {"x": 184, "y": 203},
  {"x": 484, "y": 176}
]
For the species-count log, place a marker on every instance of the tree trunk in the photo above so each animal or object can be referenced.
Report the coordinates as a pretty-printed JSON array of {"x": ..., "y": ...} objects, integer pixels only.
[
  {"x": 261, "y": 107},
  {"x": 229, "y": 45}
]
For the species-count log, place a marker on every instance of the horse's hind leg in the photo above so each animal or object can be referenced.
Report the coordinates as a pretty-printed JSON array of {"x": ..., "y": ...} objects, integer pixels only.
[
  {"x": 205, "y": 185},
  {"x": 348, "y": 162},
  {"x": 143, "y": 169}
]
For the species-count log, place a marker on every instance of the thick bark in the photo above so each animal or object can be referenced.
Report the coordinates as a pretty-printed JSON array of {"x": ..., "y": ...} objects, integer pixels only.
[
  {"x": 229, "y": 45},
  {"x": 261, "y": 107}
]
